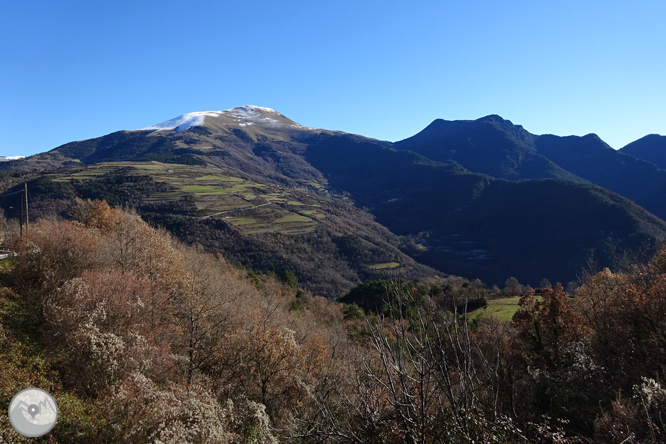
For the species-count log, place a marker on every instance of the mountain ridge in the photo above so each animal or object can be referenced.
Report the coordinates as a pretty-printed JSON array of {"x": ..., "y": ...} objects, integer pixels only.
[
  {"x": 462, "y": 196},
  {"x": 497, "y": 147},
  {"x": 651, "y": 148}
]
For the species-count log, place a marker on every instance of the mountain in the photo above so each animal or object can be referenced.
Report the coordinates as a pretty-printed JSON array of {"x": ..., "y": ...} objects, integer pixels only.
[
  {"x": 480, "y": 198},
  {"x": 498, "y": 148},
  {"x": 592, "y": 159},
  {"x": 490, "y": 145},
  {"x": 651, "y": 148},
  {"x": 235, "y": 182},
  {"x": 259, "y": 141},
  {"x": 478, "y": 226},
  {"x": 10, "y": 158}
]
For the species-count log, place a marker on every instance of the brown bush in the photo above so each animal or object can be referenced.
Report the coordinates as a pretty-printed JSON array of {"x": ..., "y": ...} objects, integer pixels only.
[
  {"x": 110, "y": 324},
  {"x": 626, "y": 313},
  {"x": 50, "y": 254}
]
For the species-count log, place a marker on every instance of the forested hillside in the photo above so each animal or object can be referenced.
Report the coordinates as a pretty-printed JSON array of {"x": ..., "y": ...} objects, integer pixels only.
[
  {"x": 330, "y": 244},
  {"x": 482, "y": 227},
  {"x": 143, "y": 340},
  {"x": 496, "y": 147}
]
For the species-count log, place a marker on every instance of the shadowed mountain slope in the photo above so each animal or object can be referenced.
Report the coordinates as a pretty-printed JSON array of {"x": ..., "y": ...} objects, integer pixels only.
[
  {"x": 500, "y": 149},
  {"x": 478, "y": 226},
  {"x": 591, "y": 158},
  {"x": 651, "y": 148},
  {"x": 490, "y": 145}
]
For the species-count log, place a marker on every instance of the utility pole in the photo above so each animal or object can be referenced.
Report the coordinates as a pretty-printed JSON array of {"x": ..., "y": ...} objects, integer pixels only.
[
  {"x": 21, "y": 218},
  {"x": 25, "y": 192}
]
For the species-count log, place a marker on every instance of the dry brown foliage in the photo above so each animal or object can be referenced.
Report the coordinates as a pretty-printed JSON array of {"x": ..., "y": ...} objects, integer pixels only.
[
  {"x": 50, "y": 254},
  {"x": 544, "y": 328},
  {"x": 149, "y": 327}
]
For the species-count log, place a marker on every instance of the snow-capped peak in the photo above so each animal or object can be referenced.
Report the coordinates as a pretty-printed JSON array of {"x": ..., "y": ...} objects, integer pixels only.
[
  {"x": 8, "y": 158},
  {"x": 243, "y": 116}
]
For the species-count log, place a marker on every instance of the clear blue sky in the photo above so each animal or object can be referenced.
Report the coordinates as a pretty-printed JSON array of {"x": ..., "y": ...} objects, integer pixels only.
[{"x": 72, "y": 70}]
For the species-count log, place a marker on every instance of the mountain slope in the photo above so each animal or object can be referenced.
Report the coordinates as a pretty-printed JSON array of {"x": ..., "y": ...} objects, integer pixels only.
[
  {"x": 593, "y": 159},
  {"x": 498, "y": 148},
  {"x": 490, "y": 145},
  {"x": 258, "y": 141},
  {"x": 651, "y": 148},
  {"x": 236, "y": 182},
  {"x": 477, "y": 226},
  {"x": 275, "y": 195}
]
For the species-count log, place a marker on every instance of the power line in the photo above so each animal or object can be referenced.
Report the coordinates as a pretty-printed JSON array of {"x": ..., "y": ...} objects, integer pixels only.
[
  {"x": 10, "y": 194},
  {"x": 14, "y": 201}
]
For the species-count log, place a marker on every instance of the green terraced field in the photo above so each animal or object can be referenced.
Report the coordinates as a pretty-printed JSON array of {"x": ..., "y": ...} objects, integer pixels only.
[
  {"x": 202, "y": 189},
  {"x": 385, "y": 265},
  {"x": 313, "y": 213},
  {"x": 216, "y": 192},
  {"x": 243, "y": 220},
  {"x": 293, "y": 218},
  {"x": 222, "y": 178}
]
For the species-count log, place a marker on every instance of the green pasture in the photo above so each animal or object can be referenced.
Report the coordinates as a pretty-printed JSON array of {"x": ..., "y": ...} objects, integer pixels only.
[
  {"x": 220, "y": 178},
  {"x": 203, "y": 189},
  {"x": 385, "y": 265},
  {"x": 243, "y": 220},
  {"x": 501, "y": 308},
  {"x": 293, "y": 218}
]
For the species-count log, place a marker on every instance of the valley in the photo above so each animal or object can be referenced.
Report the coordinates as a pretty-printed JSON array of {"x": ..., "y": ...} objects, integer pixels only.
[{"x": 223, "y": 256}]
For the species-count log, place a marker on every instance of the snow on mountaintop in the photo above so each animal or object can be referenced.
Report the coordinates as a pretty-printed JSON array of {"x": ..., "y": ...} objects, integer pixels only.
[
  {"x": 249, "y": 115},
  {"x": 8, "y": 158},
  {"x": 183, "y": 122},
  {"x": 243, "y": 115}
]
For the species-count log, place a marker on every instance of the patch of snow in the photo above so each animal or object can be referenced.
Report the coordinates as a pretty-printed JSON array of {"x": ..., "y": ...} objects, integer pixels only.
[
  {"x": 299, "y": 126},
  {"x": 183, "y": 122},
  {"x": 8, "y": 158},
  {"x": 249, "y": 114},
  {"x": 243, "y": 115}
]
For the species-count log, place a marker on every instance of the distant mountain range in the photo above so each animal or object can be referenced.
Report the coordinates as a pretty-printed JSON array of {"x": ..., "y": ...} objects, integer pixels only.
[
  {"x": 496, "y": 147},
  {"x": 482, "y": 198}
]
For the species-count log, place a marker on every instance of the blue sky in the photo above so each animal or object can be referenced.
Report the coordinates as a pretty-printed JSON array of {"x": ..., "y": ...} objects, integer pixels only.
[{"x": 73, "y": 70}]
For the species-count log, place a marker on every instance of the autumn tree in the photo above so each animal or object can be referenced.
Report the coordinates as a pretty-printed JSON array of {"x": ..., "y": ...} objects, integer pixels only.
[
  {"x": 513, "y": 287},
  {"x": 545, "y": 327},
  {"x": 272, "y": 363},
  {"x": 210, "y": 301},
  {"x": 50, "y": 254},
  {"x": 557, "y": 374},
  {"x": 626, "y": 313},
  {"x": 100, "y": 215},
  {"x": 425, "y": 377}
]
